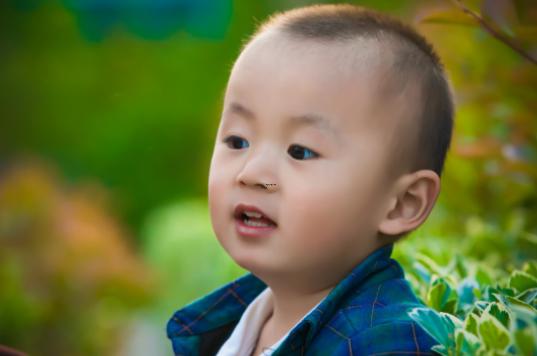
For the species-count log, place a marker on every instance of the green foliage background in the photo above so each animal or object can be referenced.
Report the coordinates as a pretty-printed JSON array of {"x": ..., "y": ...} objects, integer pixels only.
[{"x": 107, "y": 121}]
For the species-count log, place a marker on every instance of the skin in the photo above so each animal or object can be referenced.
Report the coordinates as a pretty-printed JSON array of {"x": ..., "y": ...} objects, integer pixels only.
[{"x": 336, "y": 202}]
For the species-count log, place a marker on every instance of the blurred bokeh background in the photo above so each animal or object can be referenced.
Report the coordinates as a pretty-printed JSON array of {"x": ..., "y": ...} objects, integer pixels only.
[{"x": 108, "y": 112}]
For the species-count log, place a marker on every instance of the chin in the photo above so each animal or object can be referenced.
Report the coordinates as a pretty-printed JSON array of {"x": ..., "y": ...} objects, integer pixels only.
[
  {"x": 250, "y": 262},
  {"x": 245, "y": 260},
  {"x": 247, "y": 256}
]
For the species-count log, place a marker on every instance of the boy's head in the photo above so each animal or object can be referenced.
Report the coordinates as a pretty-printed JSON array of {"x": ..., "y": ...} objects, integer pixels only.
[{"x": 348, "y": 112}]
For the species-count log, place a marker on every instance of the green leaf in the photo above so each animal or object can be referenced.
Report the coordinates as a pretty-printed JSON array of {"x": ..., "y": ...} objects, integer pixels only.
[
  {"x": 480, "y": 306},
  {"x": 523, "y": 310},
  {"x": 525, "y": 341},
  {"x": 522, "y": 281},
  {"x": 507, "y": 291},
  {"x": 421, "y": 271},
  {"x": 530, "y": 267},
  {"x": 494, "y": 335},
  {"x": 478, "y": 293},
  {"x": 441, "y": 326},
  {"x": 438, "y": 294},
  {"x": 453, "y": 320},
  {"x": 492, "y": 294},
  {"x": 483, "y": 276},
  {"x": 441, "y": 296},
  {"x": 499, "y": 311},
  {"x": 461, "y": 266},
  {"x": 466, "y": 290},
  {"x": 450, "y": 306},
  {"x": 441, "y": 349},
  {"x": 466, "y": 342},
  {"x": 470, "y": 324},
  {"x": 528, "y": 296},
  {"x": 430, "y": 264}
]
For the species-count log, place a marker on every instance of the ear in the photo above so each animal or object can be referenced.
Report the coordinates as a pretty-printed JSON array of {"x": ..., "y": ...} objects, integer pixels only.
[{"x": 414, "y": 198}]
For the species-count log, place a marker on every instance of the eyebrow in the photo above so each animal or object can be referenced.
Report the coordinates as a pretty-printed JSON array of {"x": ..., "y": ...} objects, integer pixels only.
[{"x": 310, "y": 119}]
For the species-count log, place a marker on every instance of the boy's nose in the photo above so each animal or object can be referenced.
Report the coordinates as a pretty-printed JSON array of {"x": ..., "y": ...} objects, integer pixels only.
[
  {"x": 259, "y": 171},
  {"x": 264, "y": 184}
]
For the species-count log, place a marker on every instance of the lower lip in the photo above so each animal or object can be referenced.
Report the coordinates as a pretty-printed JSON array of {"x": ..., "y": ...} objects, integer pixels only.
[{"x": 253, "y": 231}]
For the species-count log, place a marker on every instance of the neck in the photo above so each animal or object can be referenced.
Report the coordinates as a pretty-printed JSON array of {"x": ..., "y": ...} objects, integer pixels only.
[{"x": 291, "y": 306}]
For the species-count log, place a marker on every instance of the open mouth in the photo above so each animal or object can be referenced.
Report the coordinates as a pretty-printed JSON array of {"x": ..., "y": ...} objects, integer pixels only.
[
  {"x": 254, "y": 227},
  {"x": 256, "y": 221},
  {"x": 251, "y": 221}
]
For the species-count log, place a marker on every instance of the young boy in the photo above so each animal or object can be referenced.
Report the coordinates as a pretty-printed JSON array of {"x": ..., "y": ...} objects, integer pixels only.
[{"x": 335, "y": 127}]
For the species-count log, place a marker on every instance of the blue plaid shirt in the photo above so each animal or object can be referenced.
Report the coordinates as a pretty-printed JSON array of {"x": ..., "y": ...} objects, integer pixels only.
[{"x": 365, "y": 314}]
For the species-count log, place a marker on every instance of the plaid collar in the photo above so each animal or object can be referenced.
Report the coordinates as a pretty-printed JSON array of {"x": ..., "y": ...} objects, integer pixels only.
[{"x": 215, "y": 315}]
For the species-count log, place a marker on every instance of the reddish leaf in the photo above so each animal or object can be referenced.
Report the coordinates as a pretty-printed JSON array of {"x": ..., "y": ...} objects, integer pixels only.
[{"x": 446, "y": 16}]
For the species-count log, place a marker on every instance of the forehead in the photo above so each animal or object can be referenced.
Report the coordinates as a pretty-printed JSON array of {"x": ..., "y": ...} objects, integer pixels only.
[
  {"x": 329, "y": 86},
  {"x": 311, "y": 119},
  {"x": 275, "y": 58}
]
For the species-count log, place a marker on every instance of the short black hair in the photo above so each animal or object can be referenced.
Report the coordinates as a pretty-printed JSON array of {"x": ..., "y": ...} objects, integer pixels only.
[{"x": 415, "y": 61}]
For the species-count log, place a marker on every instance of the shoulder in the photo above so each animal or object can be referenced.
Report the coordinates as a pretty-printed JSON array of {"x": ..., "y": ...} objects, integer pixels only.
[
  {"x": 398, "y": 337},
  {"x": 380, "y": 303},
  {"x": 376, "y": 322}
]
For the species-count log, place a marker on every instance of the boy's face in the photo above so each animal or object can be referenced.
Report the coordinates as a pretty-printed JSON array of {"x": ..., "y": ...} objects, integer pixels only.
[{"x": 327, "y": 207}]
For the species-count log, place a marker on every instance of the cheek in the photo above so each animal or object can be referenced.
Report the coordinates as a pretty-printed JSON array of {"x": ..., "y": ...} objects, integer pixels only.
[
  {"x": 218, "y": 174},
  {"x": 313, "y": 208},
  {"x": 218, "y": 185},
  {"x": 336, "y": 206}
]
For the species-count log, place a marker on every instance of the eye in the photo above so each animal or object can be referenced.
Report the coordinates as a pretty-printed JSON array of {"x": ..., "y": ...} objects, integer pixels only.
[
  {"x": 297, "y": 151},
  {"x": 235, "y": 140}
]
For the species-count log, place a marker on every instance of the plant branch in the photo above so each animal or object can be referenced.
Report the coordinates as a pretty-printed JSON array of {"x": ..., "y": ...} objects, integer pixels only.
[{"x": 496, "y": 34}]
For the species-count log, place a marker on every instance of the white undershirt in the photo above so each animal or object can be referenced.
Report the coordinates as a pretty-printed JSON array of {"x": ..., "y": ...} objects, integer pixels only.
[{"x": 242, "y": 340}]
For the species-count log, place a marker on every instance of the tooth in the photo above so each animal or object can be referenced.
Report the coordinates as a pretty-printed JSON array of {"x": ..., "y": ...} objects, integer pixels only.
[
  {"x": 255, "y": 223},
  {"x": 253, "y": 214}
]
